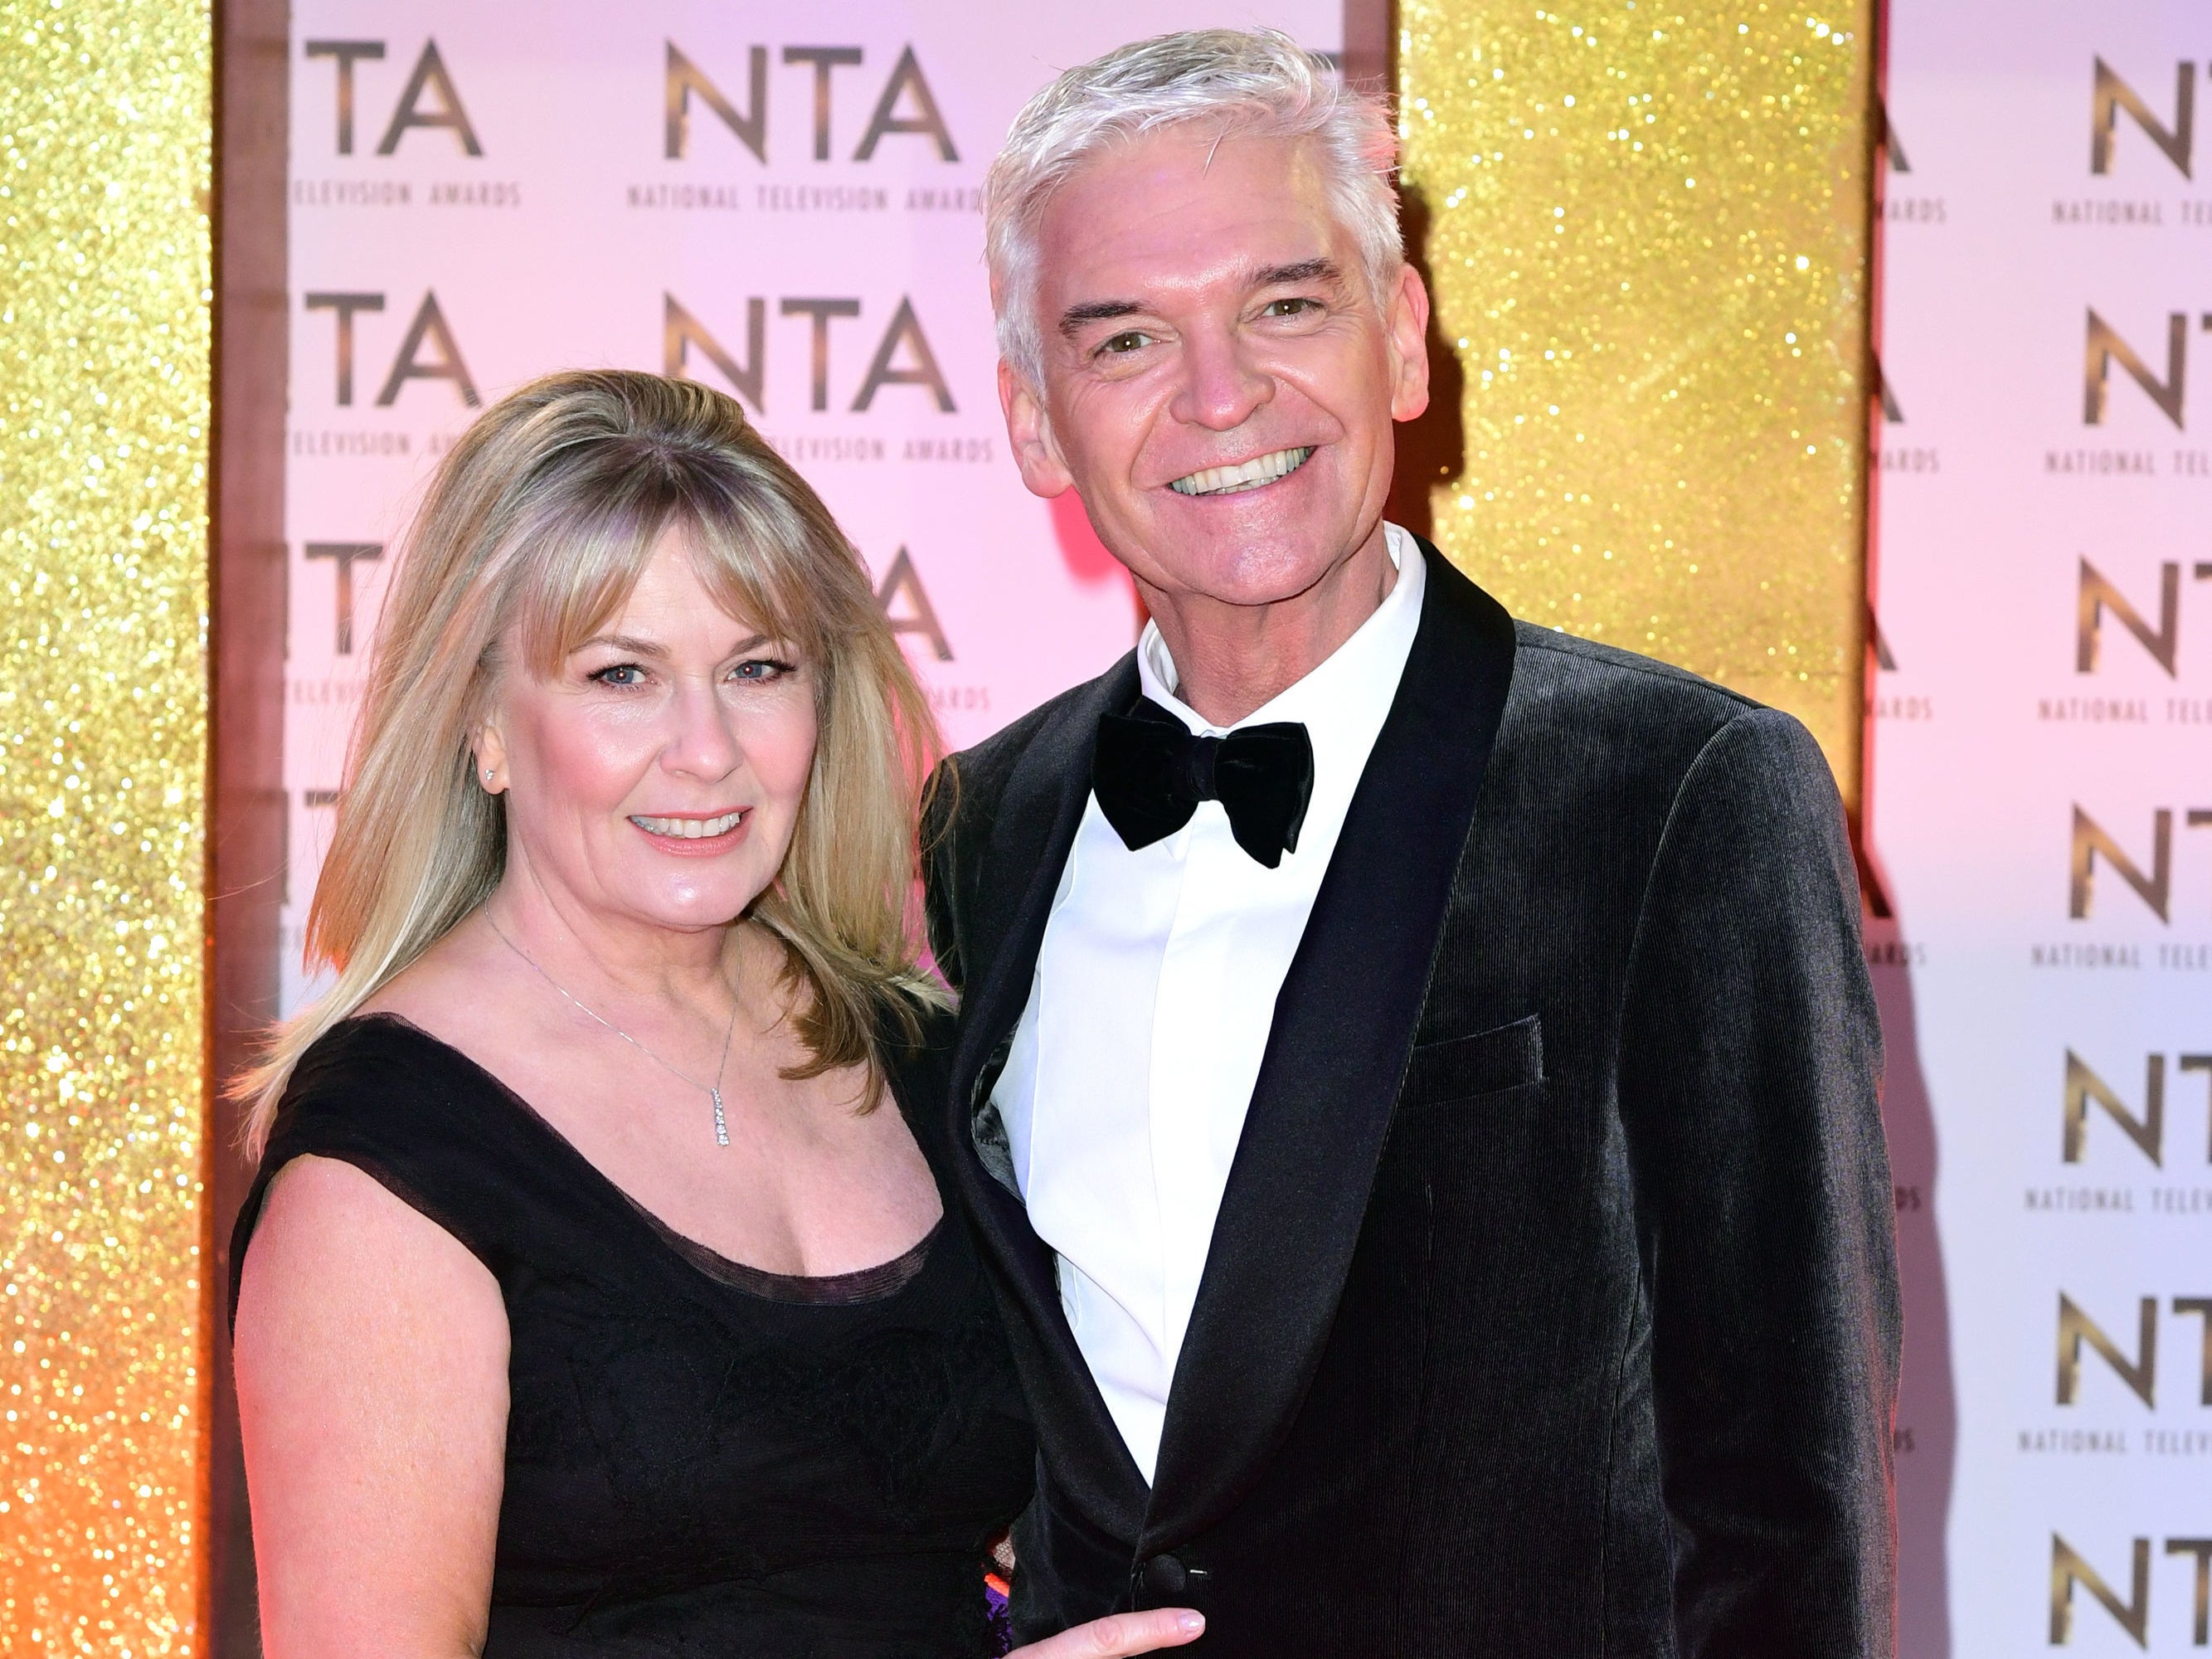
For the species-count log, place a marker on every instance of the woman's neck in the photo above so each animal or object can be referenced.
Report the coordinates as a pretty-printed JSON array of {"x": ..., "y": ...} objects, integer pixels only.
[{"x": 580, "y": 945}]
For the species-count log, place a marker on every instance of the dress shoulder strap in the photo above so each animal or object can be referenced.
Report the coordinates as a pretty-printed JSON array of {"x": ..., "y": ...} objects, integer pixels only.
[{"x": 421, "y": 1118}]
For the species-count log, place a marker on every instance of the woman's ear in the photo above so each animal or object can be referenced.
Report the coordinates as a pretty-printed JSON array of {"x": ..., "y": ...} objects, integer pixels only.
[{"x": 490, "y": 752}]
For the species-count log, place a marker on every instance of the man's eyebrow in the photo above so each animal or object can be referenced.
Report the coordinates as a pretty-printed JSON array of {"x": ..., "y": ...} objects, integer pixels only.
[
  {"x": 1096, "y": 311},
  {"x": 1318, "y": 270},
  {"x": 1321, "y": 270}
]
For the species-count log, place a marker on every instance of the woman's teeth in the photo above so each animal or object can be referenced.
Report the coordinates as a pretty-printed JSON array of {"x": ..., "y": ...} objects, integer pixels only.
[
  {"x": 1248, "y": 475},
  {"x": 690, "y": 828}
]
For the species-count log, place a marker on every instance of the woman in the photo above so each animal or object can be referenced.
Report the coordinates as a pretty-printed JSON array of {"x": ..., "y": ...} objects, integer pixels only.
[{"x": 588, "y": 1302}]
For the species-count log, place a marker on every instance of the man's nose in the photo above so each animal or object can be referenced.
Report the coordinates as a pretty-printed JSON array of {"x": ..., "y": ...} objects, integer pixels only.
[{"x": 1221, "y": 386}]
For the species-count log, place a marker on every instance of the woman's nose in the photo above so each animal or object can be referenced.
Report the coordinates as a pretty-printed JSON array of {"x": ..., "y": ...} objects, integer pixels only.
[{"x": 704, "y": 741}]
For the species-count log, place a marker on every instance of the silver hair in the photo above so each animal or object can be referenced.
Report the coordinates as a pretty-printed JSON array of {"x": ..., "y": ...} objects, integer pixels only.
[{"x": 1255, "y": 82}]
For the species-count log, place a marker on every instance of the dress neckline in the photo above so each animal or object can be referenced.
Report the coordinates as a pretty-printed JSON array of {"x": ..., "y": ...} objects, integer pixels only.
[{"x": 874, "y": 1284}]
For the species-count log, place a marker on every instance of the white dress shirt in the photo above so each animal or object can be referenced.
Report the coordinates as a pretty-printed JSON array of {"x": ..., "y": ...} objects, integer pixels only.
[{"x": 1125, "y": 1089}]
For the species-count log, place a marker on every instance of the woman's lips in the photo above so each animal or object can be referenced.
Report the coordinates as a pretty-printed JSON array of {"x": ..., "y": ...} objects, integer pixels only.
[{"x": 692, "y": 835}]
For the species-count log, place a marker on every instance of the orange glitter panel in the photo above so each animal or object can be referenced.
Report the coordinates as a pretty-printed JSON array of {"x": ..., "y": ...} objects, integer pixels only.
[{"x": 104, "y": 423}]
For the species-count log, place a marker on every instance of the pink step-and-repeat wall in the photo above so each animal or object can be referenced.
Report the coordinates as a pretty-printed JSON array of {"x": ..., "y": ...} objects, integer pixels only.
[
  {"x": 784, "y": 202},
  {"x": 2042, "y": 812}
]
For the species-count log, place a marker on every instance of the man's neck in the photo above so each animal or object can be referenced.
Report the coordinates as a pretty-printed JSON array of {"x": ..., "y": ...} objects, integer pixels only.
[{"x": 1233, "y": 658}]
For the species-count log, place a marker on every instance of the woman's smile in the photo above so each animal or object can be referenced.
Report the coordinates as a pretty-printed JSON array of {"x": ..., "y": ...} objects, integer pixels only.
[{"x": 694, "y": 835}]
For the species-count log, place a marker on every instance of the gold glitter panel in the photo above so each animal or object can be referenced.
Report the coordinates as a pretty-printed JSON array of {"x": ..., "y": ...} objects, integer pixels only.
[
  {"x": 104, "y": 423},
  {"x": 1648, "y": 239}
]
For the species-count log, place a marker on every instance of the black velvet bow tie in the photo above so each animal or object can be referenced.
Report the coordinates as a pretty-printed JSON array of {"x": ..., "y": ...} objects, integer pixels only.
[{"x": 1150, "y": 775}]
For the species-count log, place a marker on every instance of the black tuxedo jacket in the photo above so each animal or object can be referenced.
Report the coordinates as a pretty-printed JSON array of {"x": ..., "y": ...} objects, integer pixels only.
[{"x": 1551, "y": 1309}]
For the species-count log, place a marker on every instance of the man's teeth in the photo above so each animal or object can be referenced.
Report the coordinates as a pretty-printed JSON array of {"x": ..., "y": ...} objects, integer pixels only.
[
  {"x": 1248, "y": 475},
  {"x": 690, "y": 828}
]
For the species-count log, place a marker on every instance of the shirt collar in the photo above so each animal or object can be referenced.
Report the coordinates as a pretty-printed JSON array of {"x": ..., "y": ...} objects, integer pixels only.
[{"x": 1346, "y": 697}]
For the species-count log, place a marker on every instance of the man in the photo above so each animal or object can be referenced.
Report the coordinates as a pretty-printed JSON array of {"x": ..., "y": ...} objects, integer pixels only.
[{"x": 1418, "y": 1079}]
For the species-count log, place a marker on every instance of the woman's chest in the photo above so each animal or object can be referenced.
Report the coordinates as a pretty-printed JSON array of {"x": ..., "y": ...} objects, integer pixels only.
[{"x": 657, "y": 1438}]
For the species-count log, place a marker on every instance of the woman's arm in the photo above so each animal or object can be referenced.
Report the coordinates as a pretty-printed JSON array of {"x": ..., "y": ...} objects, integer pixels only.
[{"x": 372, "y": 1353}]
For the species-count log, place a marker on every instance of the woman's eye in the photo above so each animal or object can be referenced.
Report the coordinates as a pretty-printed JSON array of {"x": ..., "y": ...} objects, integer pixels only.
[
  {"x": 760, "y": 668},
  {"x": 620, "y": 673}
]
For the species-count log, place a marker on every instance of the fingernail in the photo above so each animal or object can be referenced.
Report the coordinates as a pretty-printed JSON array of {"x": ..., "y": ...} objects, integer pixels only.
[{"x": 1193, "y": 1622}]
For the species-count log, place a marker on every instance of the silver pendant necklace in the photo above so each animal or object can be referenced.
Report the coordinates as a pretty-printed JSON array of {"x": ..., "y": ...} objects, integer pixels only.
[{"x": 712, "y": 1090}]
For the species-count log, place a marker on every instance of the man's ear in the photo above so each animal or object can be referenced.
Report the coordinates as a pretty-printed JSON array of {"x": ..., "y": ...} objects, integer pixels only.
[
  {"x": 1407, "y": 323},
  {"x": 1028, "y": 433}
]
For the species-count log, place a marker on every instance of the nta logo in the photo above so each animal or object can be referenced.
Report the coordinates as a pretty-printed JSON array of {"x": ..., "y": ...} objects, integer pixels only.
[
  {"x": 2091, "y": 841},
  {"x": 2084, "y": 1087},
  {"x": 902, "y": 356},
  {"x": 905, "y": 604},
  {"x": 2104, "y": 347},
  {"x": 2098, "y": 595},
  {"x": 2139, "y": 1374},
  {"x": 2110, "y": 94},
  {"x": 429, "y": 79},
  {"x": 905, "y": 105},
  {"x": 2067, "y": 1569},
  {"x": 344, "y": 555},
  {"x": 427, "y": 352}
]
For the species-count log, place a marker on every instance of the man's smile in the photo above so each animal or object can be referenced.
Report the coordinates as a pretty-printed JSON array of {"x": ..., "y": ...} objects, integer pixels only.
[{"x": 1245, "y": 475}]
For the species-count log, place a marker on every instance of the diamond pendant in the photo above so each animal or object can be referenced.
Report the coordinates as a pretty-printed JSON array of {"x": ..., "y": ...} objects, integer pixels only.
[{"x": 721, "y": 1128}]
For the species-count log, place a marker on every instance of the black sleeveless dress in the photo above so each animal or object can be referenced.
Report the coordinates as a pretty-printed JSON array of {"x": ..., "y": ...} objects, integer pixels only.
[{"x": 701, "y": 1458}]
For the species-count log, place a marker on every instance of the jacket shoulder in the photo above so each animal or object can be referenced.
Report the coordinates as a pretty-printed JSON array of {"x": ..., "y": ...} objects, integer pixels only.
[
  {"x": 1581, "y": 716},
  {"x": 1580, "y": 671}
]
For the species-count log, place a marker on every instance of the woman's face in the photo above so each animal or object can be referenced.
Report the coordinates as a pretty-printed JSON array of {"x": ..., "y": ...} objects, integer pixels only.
[{"x": 657, "y": 775}]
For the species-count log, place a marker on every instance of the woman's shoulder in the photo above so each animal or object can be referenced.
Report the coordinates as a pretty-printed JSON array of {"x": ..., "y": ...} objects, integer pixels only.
[
  {"x": 379, "y": 1072},
  {"x": 404, "y": 1109}
]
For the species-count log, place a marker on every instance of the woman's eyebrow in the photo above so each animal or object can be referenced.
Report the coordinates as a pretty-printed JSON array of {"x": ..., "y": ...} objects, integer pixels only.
[
  {"x": 629, "y": 645},
  {"x": 626, "y": 643}
]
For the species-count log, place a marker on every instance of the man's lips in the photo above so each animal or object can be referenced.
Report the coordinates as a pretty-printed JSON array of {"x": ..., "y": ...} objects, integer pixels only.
[{"x": 1255, "y": 474}]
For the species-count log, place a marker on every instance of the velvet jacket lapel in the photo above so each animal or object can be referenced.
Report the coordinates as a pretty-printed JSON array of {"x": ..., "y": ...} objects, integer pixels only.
[
  {"x": 1038, "y": 818},
  {"x": 1343, "y": 1031},
  {"x": 1329, "y": 1079}
]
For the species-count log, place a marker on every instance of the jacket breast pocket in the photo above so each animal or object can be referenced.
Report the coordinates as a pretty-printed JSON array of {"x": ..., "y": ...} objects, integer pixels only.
[{"x": 1466, "y": 1068}]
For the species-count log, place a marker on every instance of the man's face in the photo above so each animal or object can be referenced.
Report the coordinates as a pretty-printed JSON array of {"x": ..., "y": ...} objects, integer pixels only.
[{"x": 1219, "y": 383}]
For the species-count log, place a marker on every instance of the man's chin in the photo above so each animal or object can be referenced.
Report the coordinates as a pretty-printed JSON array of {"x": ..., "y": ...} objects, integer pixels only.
[{"x": 1238, "y": 572}]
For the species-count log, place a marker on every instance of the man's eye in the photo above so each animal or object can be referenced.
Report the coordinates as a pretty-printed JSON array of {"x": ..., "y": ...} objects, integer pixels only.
[
  {"x": 620, "y": 673},
  {"x": 1291, "y": 308},
  {"x": 1127, "y": 341}
]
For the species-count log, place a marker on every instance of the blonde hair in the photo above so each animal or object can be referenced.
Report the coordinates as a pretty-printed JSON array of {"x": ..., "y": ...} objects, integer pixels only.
[{"x": 535, "y": 530}]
